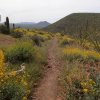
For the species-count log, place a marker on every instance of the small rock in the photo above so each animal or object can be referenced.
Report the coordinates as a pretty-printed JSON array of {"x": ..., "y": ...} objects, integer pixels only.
[{"x": 49, "y": 66}]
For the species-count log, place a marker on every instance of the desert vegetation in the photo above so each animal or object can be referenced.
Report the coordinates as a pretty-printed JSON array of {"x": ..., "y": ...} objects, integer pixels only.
[
  {"x": 80, "y": 72},
  {"x": 30, "y": 59},
  {"x": 22, "y": 62}
]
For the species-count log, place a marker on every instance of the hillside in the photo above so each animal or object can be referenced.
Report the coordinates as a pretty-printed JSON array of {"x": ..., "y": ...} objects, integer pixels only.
[
  {"x": 31, "y": 25},
  {"x": 34, "y": 55},
  {"x": 73, "y": 22}
]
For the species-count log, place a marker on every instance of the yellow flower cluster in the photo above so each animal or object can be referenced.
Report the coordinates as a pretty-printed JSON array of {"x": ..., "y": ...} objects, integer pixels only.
[
  {"x": 24, "y": 98},
  {"x": 85, "y": 90},
  {"x": 12, "y": 76},
  {"x": 13, "y": 73},
  {"x": 72, "y": 51},
  {"x": 85, "y": 54},
  {"x": 26, "y": 32},
  {"x": 66, "y": 40},
  {"x": 1, "y": 63},
  {"x": 88, "y": 86},
  {"x": 92, "y": 54},
  {"x": 23, "y": 81},
  {"x": 20, "y": 30}
]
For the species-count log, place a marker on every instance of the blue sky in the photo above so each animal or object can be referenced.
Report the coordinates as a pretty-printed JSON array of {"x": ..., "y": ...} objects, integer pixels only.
[{"x": 44, "y": 10}]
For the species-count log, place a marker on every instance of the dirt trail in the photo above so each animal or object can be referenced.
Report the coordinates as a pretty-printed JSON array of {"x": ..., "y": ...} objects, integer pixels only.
[{"x": 48, "y": 88}]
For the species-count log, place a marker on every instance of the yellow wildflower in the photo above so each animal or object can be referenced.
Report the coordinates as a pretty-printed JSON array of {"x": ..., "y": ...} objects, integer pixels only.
[
  {"x": 91, "y": 81},
  {"x": 13, "y": 73},
  {"x": 24, "y": 98},
  {"x": 85, "y": 90},
  {"x": 24, "y": 82},
  {"x": 1, "y": 64}
]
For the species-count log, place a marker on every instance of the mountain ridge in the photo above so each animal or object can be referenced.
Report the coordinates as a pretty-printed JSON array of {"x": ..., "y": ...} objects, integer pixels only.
[
  {"x": 31, "y": 25},
  {"x": 70, "y": 24}
]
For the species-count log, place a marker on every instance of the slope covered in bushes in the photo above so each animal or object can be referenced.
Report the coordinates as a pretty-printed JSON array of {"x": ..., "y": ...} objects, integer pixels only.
[
  {"x": 72, "y": 23},
  {"x": 22, "y": 63},
  {"x": 80, "y": 72}
]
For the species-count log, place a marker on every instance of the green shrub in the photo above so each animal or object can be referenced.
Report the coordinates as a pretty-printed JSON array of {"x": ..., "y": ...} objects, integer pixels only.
[
  {"x": 17, "y": 34},
  {"x": 12, "y": 91},
  {"x": 4, "y": 30},
  {"x": 37, "y": 40},
  {"x": 66, "y": 41},
  {"x": 20, "y": 52}
]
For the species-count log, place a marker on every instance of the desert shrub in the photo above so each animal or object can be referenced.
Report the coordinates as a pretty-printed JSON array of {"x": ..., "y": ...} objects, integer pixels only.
[
  {"x": 20, "y": 30},
  {"x": 73, "y": 54},
  {"x": 12, "y": 91},
  {"x": 92, "y": 55},
  {"x": 41, "y": 33},
  {"x": 12, "y": 85},
  {"x": 1, "y": 64},
  {"x": 4, "y": 29},
  {"x": 87, "y": 45},
  {"x": 46, "y": 36},
  {"x": 20, "y": 52},
  {"x": 66, "y": 41},
  {"x": 70, "y": 79},
  {"x": 37, "y": 40},
  {"x": 17, "y": 34},
  {"x": 78, "y": 83}
]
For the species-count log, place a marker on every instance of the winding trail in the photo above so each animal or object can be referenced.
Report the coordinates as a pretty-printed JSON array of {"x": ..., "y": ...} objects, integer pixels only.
[{"x": 48, "y": 88}]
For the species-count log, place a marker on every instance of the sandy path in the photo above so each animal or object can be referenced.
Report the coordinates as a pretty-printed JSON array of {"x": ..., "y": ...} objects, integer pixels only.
[{"x": 48, "y": 88}]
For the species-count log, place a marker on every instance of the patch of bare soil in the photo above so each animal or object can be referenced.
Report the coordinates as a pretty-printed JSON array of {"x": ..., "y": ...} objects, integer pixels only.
[{"x": 6, "y": 40}]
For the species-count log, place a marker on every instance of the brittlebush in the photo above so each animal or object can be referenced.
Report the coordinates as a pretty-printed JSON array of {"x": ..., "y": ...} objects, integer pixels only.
[
  {"x": 73, "y": 54},
  {"x": 12, "y": 86},
  {"x": 1, "y": 64}
]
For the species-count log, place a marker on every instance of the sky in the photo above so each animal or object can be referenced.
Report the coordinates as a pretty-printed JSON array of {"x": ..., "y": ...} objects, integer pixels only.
[{"x": 44, "y": 10}]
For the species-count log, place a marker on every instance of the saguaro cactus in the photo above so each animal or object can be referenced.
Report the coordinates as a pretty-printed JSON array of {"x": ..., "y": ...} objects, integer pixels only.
[
  {"x": 7, "y": 23},
  {"x": 13, "y": 26}
]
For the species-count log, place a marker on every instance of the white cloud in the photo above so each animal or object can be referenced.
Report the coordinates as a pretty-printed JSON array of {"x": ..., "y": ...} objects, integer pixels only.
[{"x": 50, "y": 10}]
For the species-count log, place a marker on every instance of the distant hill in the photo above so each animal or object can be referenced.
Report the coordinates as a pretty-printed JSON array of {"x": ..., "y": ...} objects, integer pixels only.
[
  {"x": 73, "y": 22},
  {"x": 30, "y": 25}
]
